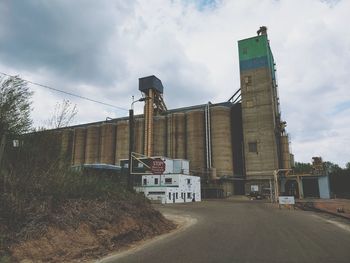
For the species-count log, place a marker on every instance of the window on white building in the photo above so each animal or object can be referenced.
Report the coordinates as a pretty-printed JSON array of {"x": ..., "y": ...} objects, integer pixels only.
[
  {"x": 156, "y": 193},
  {"x": 155, "y": 180},
  {"x": 144, "y": 181},
  {"x": 188, "y": 195},
  {"x": 168, "y": 180}
]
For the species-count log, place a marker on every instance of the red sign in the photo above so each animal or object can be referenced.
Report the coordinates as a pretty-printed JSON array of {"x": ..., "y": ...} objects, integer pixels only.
[{"x": 157, "y": 166}]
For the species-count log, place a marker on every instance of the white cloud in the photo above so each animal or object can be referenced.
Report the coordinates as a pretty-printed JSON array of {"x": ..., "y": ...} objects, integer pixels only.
[{"x": 192, "y": 48}]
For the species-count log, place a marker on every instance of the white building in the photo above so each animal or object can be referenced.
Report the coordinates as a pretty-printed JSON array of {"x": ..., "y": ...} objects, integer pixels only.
[{"x": 174, "y": 186}]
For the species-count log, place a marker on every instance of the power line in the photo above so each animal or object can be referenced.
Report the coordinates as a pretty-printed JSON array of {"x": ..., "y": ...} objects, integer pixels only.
[{"x": 68, "y": 93}]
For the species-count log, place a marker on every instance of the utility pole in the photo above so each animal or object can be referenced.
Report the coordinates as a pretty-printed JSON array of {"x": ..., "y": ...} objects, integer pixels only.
[
  {"x": 131, "y": 148},
  {"x": 130, "y": 183},
  {"x": 275, "y": 176},
  {"x": 2, "y": 150},
  {"x": 271, "y": 191},
  {"x": 2, "y": 144}
]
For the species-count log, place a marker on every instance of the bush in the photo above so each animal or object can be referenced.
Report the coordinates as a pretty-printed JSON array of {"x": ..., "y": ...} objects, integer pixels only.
[{"x": 37, "y": 182}]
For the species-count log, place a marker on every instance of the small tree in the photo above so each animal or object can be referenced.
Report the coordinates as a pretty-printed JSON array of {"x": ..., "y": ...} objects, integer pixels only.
[
  {"x": 14, "y": 109},
  {"x": 332, "y": 168},
  {"x": 63, "y": 115},
  {"x": 347, "y": 165},
  {"x": 301, "y": 168}
]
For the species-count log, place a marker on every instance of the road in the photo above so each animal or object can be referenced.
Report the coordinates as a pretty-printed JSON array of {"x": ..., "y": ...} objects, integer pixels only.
[{"x": 249, "y": 231}]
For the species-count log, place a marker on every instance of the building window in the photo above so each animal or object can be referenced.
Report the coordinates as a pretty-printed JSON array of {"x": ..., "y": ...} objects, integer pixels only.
[
  {"x": 144, "y": 181},
  {"x": 253, "y": 147},
  {"x": 155, "y": 180},
  {"x": 248, "y": 80},
  {"x": 249, "y": 103},
  {"x": 168, "y": 180},
  {"x": 177, "y": 195},
  {"x": 188, "y": 181},
  {"x": 182, "y": 195},
  {"x": 169, "y": 196},
  {"x": 188, "y": 195},
  {"x": 156, "y": 193}
]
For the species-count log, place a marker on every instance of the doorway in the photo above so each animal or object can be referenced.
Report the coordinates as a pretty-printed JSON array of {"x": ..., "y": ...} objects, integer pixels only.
[{"x": 292, "y": 188}]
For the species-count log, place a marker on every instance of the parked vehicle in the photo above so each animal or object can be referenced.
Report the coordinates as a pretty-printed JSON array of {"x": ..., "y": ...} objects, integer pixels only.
[{"x": 255, "y": 195}]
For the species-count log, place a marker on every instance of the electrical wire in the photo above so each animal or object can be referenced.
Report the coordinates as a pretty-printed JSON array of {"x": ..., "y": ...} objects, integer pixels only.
[{"x": 67, "y": 93}]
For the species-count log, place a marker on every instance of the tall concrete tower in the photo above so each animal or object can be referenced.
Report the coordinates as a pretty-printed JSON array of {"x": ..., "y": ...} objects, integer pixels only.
[{"x": 262, "y": 127}]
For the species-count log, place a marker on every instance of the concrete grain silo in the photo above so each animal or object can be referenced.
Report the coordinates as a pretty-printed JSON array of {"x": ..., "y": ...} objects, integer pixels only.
[
  {"x": 122, "y": 141},
  {"x": 196, "y": 139},
  {"x": 79, "y": 146},
  {"x": 67, "y": 144},
  {"x": 286, "y": 161},
  {"x": 92, "y": 149},
  {"x": 177, "y": 135},
  {"x": 139, "y": 126},
  {"x": 159, "y": 136},
  {"x": 107, "y": 143},
  {"x": 221, "y": 140}
]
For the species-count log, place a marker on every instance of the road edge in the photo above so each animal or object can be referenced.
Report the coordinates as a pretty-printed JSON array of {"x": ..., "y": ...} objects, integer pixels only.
[
  {"x": 182, "y": 222},
  {"x": 310, "y": 207}
]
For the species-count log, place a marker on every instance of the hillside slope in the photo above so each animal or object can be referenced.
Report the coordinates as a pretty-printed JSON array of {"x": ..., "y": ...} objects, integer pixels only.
[{"x": 82, "y": 229}]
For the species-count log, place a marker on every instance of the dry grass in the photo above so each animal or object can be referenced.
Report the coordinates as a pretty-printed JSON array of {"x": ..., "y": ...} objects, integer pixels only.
[{"x": 50, "y": 213}]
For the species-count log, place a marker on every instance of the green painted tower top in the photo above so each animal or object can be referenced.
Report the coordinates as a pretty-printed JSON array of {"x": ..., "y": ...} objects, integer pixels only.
[
  {"x": 255, "y": 52},
  {"x": 253, "y": 47}
]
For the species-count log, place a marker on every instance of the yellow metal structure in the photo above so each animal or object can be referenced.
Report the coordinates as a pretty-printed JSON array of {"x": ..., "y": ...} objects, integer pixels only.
[
  {"x": 149, "y": 113},
  {"x": 154, "y": 105}
]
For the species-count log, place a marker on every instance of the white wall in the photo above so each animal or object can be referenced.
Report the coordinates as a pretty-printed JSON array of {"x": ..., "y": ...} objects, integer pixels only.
[{"x": 182, "y": 188}]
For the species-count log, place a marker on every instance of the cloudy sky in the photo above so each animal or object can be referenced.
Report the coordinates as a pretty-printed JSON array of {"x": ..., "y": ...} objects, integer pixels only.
[{"x": 99, "y": 49}]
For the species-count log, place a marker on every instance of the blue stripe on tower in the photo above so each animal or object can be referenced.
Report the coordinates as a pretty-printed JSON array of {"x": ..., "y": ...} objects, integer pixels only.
[{"x": 253, "y": 63}]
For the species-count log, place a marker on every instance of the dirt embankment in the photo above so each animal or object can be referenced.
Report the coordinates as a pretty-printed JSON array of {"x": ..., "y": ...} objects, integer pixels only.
[
  {"x": 338, "y": 207},
  {"x": 84, "y": 230}
]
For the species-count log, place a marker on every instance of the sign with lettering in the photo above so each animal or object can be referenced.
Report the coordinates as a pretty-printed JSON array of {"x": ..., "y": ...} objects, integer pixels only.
[
  {"x": 286, "y": 200},
  {"x": 254, "y": 188},
  {"x": 157, "y": 166}
]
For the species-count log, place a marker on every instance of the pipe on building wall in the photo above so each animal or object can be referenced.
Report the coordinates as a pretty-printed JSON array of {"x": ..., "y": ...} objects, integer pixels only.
[
  {"x": 209, "y": 129},
  {"x": 73, "y": 148},
  {"x": 208, "y": 135}
]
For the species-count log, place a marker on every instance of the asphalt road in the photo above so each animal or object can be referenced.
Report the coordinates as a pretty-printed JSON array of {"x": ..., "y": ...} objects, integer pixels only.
[{"x": 249, "y": 231}]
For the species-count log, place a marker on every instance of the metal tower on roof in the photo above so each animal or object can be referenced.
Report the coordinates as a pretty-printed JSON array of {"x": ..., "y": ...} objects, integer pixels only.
[{"x": 151, "y": 88}]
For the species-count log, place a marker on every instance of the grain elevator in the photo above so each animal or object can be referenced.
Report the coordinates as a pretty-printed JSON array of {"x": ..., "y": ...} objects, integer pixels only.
[{"x": 233, "y": 146}]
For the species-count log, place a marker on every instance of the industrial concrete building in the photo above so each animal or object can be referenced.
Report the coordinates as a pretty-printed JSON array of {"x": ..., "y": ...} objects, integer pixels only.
[
  {"x": 232, "y": 146},
  {"x": 265, "y": 141}
]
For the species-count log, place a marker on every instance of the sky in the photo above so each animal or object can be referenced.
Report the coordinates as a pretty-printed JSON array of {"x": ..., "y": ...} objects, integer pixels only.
[{"x": 99, "y": 49}]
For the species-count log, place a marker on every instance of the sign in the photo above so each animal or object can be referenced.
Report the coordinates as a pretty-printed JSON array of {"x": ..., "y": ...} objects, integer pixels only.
[
  {"x": 254, "y": 188},
  {"x": 157, "y": 166},
  {"x": 286, "y": 200}
]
